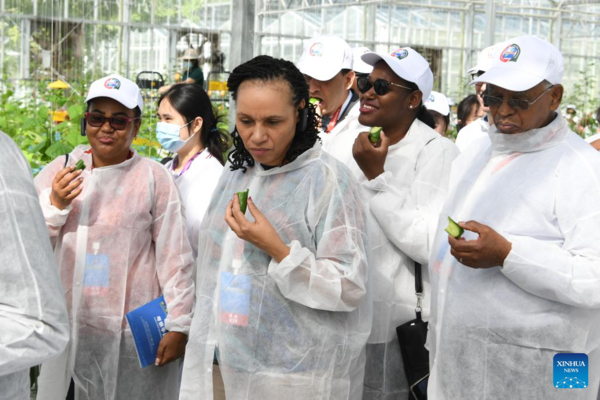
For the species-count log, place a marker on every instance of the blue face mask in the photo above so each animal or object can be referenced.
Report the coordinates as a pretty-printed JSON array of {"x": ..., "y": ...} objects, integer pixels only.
[
  {"x": 168, "y": 136},
  {"x": 187, "y": 65}
]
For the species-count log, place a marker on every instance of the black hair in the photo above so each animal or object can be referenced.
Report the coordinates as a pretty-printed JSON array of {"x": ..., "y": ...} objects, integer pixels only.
[
  {"x": 440, "y": 118},
  {"x": 423, "y": 114},
  {"x": 191, "y": 101},
  {"x": 269, "y": 69},
  {"x": 465, "y": 107}
]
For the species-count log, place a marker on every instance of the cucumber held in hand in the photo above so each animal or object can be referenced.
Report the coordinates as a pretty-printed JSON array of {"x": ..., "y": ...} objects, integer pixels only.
[
  {"x": 314, "y": 100},
  {"x": 375, "y": 134},
  {"x": 243, "y": 198},
  {"x": 454, "y": 229},
  {"x": 80, "y": 165}
]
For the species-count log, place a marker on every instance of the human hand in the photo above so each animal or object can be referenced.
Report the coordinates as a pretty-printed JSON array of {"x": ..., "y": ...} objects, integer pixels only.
[
  {"x": 489, "y": 250},
  {"x": 170, "y": 348},
  {"x": 369, "y": 156},
  {"x": 260, "y": 233},
  {"x": 65, "y": 187}
]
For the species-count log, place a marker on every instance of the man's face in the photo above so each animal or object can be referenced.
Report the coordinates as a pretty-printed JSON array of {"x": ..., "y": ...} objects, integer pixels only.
[
  {"x": 332, "y": 93},
  {"x": 513, "y": 119}
]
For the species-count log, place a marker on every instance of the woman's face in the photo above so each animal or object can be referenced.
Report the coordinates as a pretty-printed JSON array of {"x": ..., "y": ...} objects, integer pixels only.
[
  {"x": 475, "y": 114},
  {"x": 388, "y": 109},
  {"x": 111, "y": 146},
  {"x": 167, "y": 113},
  {"x": 266, "y": 119}
]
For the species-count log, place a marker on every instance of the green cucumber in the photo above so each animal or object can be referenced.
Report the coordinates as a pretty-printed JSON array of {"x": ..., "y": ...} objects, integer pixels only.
[
  {"x": 80, "y": 165},
  {"x": 243, "y": 198},
  {"x": 454, "y": 229},
  {"x": 375, "y": 134},
  {"x": 314, "y": 100}
]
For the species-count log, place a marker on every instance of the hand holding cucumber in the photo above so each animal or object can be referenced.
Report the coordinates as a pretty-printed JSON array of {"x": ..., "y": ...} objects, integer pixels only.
[
  {"x": 489, "y": 250},
  {"x": 371, "y": 156},
  {"x": 65, "y": 187},
  {"x": 260, "y": 233}
]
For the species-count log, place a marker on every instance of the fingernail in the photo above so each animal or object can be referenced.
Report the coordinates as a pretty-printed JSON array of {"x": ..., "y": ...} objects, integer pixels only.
[
  {"x": 250, "y": 198},
  {"x": 157, "y": 361}
]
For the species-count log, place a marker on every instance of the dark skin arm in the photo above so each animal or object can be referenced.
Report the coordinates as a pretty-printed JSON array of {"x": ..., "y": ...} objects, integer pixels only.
[{"x": 488, "y": 251}]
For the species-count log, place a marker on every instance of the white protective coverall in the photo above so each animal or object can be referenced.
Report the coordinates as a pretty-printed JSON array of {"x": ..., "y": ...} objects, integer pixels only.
[
  {"x": 289, "y": 330},
  {"x": 122, "y": 243},
  {"x": 471, "y": 133},
  {"x": 405, "y": 203},
  {"x": 340, "y": 140},
  {"x": 494, "y": 332},
  {"x": 196, "y": 186},
  {"x": 33, "y": 317}
]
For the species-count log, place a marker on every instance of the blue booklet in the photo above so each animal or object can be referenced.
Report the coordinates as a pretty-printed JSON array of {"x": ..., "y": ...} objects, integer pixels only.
[{"x": 147, "y": 325}]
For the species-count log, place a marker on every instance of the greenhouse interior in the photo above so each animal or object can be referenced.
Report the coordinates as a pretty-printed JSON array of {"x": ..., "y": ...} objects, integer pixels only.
[{"x": 77, "y": 41}]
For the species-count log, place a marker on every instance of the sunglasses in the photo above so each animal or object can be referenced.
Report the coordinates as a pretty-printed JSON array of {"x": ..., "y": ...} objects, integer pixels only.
[
  {"x": 380, "y": 86},
  {"x": 493, "y": 101},
  {"x": 117, "y": 123}
]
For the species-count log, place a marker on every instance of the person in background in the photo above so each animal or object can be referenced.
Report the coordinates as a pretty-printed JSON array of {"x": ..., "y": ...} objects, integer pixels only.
[
  {"x": 404, "y": 178},
  {"x": 188, "y": 127},
  {"x": 360, "y": 68},
  {"x": 120, "y": 239},
  {"x": 34, "y": 324},
  {"x": 469, "y": 110},
  {"x": 594, "y": 140},
  {"x": 521, "y": 286},
  {"x": 482, "y": 124},
  {"x": 327, "y": 63},
  {"x": 281, "y": 286},
  {"x": 192, "y": 72},
  {"x": 437, "y": 104}
]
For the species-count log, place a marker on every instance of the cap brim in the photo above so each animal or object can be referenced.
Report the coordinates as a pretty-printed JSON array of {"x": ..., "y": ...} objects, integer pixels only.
[
  {"x": 110, "y": 95},
  {"x": 319, "y": 71},
  {"x": 509, "y": 79}
]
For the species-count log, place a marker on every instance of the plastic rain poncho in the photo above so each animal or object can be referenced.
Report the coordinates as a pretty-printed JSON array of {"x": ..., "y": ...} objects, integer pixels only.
[
  {"x": 405, "y": 203},
  {"x": 494, "y": 332},
  {"x": 122, "y": 243},
  {"x": 340, "y": 140},
  {"x": 289, "y": 330},
  {"x": 196, "y": 186},
  {"x": 33, "y": 316}
]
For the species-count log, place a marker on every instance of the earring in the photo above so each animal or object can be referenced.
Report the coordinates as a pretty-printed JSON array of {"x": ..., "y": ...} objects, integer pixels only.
[{"x": 410, "y": 107}]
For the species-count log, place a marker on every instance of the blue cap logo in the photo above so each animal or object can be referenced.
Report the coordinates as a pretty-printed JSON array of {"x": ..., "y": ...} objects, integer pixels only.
[
  {"x": 511, "y": 53},
  {"x": 112, "y": 83},
  {"x": 316, "y": 50},
  {"x": 400, "y": 54}
]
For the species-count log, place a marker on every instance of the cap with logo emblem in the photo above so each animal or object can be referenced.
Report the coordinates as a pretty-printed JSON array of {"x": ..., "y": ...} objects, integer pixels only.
[
  {"x": 117, "y": 88},
  {"x": 324, "y": 57},
  {"x": 523, "y": 63}
]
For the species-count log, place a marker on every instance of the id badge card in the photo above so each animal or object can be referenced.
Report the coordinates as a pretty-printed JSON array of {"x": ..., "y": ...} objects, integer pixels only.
[
  {"x": 96, "y": 275},
  {"x": 234, "y": 304}
]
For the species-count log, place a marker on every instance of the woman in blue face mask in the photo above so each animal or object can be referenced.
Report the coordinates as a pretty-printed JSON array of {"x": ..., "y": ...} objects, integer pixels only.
[{"x": 188, "y": 127}]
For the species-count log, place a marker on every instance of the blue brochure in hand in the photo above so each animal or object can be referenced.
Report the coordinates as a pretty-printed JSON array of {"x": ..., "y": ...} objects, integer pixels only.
[{"x": 147, "y": 325}]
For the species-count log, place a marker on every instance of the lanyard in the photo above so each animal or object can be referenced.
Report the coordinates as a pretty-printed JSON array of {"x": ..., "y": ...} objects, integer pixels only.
[
  {"x": 334, "y": 120},
  {"x": 188, "y": 164}
]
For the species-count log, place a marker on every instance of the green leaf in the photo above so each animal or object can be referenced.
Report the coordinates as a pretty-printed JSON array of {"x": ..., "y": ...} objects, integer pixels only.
[{"x": 58, "y": 149}]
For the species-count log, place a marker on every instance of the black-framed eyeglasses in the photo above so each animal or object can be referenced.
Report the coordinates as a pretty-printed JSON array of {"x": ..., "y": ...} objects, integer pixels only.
[
  {"x": 476, "y": 75},
  {"x": 493, "y": 101},
  {"x": 381, "y": 86},
  {"x": 117, "y": 123}
]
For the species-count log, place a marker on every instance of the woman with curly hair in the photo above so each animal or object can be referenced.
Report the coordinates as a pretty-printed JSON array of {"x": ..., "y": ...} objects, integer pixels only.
[{"x": 281, "y": 311}]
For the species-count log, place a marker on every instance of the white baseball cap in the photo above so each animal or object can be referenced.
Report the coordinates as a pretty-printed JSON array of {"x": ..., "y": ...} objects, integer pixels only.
[
  {"x": 324, "y": 57},
  {"x": 408, "y": 65},
  {"x": 486, "y": 57},
  {"x": 438, "y": 102},
  {"x": 117, "y": 88},
  {"x": 525, "y": 62},
  {"x": 359, "y": 65}
]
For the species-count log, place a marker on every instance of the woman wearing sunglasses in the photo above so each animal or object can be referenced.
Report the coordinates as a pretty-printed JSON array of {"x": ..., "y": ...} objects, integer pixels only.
[
  {"x": 405, "y": 176},
  {"x": 120, "y": 239}
]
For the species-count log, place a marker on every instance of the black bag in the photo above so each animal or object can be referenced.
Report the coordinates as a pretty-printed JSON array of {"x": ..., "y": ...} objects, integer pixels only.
[{"x": 412, "y": 336}]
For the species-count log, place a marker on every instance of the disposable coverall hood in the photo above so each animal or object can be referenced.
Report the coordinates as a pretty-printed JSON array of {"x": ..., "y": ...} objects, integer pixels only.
[
  {"x": 494, "y": 332},
  {"x": 288, "y": 330}
]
